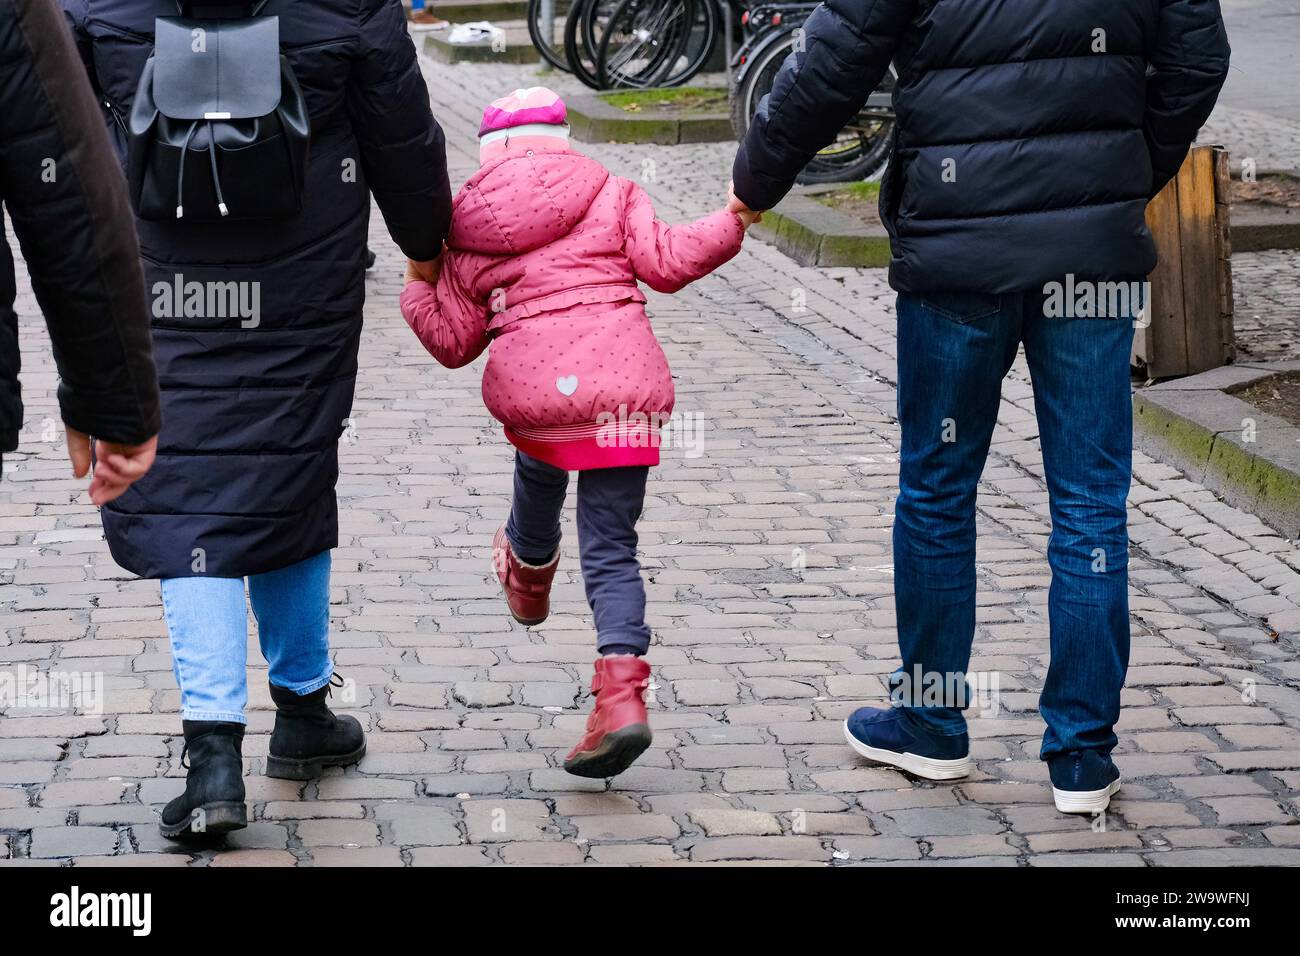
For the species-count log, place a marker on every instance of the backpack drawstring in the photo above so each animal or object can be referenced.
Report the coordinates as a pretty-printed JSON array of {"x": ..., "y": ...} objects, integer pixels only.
[
  {"x": 216, "y": 177},
  {"x": 180, "y": 175}
]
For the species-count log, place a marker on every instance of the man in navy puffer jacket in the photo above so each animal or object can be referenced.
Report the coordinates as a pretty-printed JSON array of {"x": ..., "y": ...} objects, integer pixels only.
[{"x": 1031, "y": 135}]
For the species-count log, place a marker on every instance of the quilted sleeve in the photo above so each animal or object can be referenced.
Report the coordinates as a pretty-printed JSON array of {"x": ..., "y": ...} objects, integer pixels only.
[
  {"x": 402, "y": 148},
  {"x": 1189, "y": 63},
  {"x": 847, "y": 48},
  {"x": 445, "y": 317},
  {"x": 665, "y": 257}
]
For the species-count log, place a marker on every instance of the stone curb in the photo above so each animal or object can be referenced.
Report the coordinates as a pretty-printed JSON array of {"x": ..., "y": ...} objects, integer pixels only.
[
  {"x": 1257, "y": 227},
  {"x": 467, "y": 11},
  {"x": 1196, "y": 424},
  {"x": 593, "y": 120},
  {"x": 437, "y": 47},
  {"x": 813, "y": 234}
]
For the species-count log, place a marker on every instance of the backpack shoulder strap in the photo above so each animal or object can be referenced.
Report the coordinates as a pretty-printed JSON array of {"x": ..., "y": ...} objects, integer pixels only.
[{"x": 216, "y": 69}]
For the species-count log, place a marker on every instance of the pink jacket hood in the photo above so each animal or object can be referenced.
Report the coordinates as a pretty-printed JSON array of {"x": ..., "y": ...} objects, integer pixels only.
[{"x": 520, "y": 202}]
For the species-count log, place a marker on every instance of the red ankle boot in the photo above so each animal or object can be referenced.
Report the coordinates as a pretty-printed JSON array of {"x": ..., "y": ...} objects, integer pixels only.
[
  {"x": 618, "y": 730},
  {"x": 527, "y": 586}
]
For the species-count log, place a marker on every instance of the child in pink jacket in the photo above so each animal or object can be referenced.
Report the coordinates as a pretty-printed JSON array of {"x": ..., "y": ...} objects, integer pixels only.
[{"x": 541, "y": 268}]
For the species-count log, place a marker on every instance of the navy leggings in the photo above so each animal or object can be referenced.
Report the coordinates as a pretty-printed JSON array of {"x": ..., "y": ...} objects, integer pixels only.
[{"x": 609, "y": 504}]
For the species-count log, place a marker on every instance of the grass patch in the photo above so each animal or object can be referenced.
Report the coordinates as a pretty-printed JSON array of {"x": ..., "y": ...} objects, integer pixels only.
[
  {"x": 859, "y": 200},
  {"x": 683, "y": 99}
]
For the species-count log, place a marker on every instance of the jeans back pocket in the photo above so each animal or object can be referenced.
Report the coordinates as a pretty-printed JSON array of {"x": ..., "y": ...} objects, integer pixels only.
[{"x": 961, "y": 307}]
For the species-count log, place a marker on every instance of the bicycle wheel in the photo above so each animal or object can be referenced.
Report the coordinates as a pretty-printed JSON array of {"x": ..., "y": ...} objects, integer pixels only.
[
  {"x": 705, "y": 32},
  {"x": 546, "y": 20},
  {"x": 642, "y": 42},
  {"x": 860, "y": 150},
  {"x": 582, "y": 29}
]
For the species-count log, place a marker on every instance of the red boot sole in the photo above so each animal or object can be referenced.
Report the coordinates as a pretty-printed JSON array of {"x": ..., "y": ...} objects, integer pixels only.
[{"x": 618, "y": 750}]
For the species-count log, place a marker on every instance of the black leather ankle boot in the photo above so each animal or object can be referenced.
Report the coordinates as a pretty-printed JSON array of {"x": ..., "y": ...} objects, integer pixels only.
[
  {"x": 308, "y": 736},
  {"x": 213, "y": 801}
]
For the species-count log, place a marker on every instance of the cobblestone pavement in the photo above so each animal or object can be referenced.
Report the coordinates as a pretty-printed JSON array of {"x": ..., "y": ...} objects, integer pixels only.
[
  {"x": 768, "y": 564},
  {"x": 1258, "y": 117},
  {"x": 1266, "y": 287},
  {"x": 1265, "y": 74},
  {"x": 1264, "y": 126}
]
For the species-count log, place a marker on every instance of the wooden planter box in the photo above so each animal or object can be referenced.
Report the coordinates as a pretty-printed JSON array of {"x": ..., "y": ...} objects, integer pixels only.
[{"x": 1190, "y": 326}]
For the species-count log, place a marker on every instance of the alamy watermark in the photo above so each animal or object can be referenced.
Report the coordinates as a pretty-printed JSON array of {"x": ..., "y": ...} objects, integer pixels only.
[
  {"x": 979, "y": 690},
  {"x": 29, "y": 688},
  {"x": 662, "y": 430},
  {"x": 1085, "y": 299},
  {"x": 208, "y": 300}
]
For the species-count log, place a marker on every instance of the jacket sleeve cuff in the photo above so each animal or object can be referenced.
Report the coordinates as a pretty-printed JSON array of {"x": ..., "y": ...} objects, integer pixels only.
[
  {"x": 104, "y": 417},
  {"x": 750, "y": 189}
]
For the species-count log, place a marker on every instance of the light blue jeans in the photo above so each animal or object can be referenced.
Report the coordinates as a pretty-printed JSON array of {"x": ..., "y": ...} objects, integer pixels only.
[{"x": 207, "y": 619}]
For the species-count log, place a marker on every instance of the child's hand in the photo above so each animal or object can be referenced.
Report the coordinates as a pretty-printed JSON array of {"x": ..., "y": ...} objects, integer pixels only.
[{"x": 734, "y": 204}]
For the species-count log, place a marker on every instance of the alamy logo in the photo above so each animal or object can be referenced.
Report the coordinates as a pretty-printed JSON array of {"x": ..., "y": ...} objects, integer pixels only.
[
  {"x": 25, "y": 686},
  {"x": 208, "y": 300},
  {"x": 76, "y": 909},
  {"x": 1082, "y": 299}
]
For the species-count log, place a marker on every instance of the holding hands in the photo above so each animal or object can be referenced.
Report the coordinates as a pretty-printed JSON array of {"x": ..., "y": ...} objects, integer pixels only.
[
  {"x": 736, "y": 205},
  {"x": 426, "y": 271}
]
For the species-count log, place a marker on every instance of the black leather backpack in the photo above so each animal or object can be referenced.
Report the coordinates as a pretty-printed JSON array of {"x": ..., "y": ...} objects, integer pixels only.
[{"x": 219, "y": 127}]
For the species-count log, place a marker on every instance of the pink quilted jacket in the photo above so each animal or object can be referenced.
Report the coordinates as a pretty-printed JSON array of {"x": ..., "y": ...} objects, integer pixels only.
[{"x": 543, "y": 259}]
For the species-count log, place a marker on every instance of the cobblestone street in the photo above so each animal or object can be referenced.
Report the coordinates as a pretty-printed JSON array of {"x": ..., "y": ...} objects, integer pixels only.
[{"x": 767, "y": 558}]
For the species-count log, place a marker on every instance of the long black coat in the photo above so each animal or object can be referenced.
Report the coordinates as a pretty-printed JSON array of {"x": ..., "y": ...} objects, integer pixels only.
[
  {"x": 248, "y": 460},
  {"x": 67, "y": 201},
  {"x": 1031, "y": 133}
]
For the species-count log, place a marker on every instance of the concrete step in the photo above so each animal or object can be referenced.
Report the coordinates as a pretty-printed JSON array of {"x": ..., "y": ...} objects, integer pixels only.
[{"x": 518, "y": 47}]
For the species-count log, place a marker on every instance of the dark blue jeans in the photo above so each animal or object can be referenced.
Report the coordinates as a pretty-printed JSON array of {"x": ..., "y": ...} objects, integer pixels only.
[
  {"x": 953, "y": 352},
  {"x": 609, "y": 505}
]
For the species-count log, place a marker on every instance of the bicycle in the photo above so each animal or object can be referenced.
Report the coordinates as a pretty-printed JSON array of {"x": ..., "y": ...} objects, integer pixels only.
[
  {"x": 611, "y": 44},
  {"x": 861, "y": 150}
]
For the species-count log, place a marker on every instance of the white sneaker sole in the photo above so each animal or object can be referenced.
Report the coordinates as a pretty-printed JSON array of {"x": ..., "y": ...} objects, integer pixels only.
[
  {"x": 927, "y": 768},
  {"x": 1085, "y": 801}
]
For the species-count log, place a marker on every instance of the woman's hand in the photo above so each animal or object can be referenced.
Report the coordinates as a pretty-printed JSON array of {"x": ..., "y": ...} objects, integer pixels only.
[{"x": 426, "y": 271}]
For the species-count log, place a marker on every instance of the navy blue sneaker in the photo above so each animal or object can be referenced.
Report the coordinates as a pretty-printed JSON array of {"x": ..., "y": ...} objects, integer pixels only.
[
  {"x": 1083, "y": 781},
  {"x": 887, "y": 735}
]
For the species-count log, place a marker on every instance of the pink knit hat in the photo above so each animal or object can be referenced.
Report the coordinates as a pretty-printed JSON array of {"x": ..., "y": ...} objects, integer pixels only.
[{"x": 535, "y": 104}]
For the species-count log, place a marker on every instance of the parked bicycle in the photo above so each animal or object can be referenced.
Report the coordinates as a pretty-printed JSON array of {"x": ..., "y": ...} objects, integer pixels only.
[
  {"x": 637, "y": 44},
  {"x": 640, "y": 44},
  {"x": 772, "y": 31}
]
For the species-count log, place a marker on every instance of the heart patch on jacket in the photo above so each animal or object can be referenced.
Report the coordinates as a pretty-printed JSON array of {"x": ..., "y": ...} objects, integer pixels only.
[{"x": 567, "y": 384}]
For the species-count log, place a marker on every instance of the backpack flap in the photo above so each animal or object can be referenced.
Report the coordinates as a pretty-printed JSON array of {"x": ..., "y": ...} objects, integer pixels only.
[{"x": 216, "y": 69}]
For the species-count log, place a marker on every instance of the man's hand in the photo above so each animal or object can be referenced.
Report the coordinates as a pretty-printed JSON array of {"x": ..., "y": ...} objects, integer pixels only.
[
  {"x": 426, "y": 271},
  {"x": 734, "y": 204},
  {"x": 117, "y": 467}
]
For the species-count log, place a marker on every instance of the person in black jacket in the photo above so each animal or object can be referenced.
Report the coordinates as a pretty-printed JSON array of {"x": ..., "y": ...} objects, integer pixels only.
[
  {"x": 67, "y": 200},
  {"x": 1030, "y": 137},
  {"x": 255, "y": 403}
]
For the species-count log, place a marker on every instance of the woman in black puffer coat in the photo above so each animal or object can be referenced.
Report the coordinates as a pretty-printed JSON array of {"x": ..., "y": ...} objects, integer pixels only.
[{"x": 254, "y": 403}]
